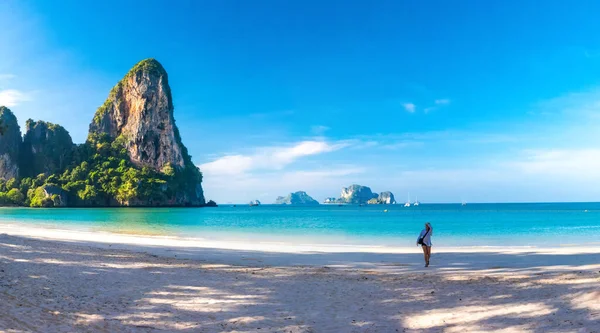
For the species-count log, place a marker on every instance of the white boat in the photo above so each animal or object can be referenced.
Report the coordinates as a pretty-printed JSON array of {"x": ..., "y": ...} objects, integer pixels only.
[
  {"x": 407, "y": 204},
  {"x": 416, "y": 202}
]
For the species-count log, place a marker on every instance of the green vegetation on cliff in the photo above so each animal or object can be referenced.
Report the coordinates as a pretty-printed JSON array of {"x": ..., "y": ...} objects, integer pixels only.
[
  {"x": 99, "y": 175},
  {"x": 133, "y": 155},
  {"x": 47, "y": 148},
  {"x": 10, "y": 144},
  {"x": 151, "y": 67}
]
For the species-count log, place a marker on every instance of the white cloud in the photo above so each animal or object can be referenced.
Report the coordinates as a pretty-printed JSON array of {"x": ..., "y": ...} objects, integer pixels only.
[
  {"x": 438, "y": 103},
  {"x": 561, "y": 163},
  {"x": 530, "y": 160},
  {"x": 333, "y": 172},
  {"x": 319, "y": 129},
  {"x": 232, "y": 164},
  {"x": 319, "y": 183},
  {"x": 6, "y": 77},
  {"x": 529, "y": 175},
  {"x": 437, "y": 137},
  {"x": 402, "y": 145},
  {"x": 409, "y": 107},
  {"x": 575, "y": 104},
  {"x": 363, "y": 144},
  {"x": 268, "y": 158},
  {"x": 12, "y": 97}
]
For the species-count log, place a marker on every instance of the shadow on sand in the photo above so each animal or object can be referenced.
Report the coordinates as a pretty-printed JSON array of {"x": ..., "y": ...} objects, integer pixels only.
[{"x": 68, "y": 286}]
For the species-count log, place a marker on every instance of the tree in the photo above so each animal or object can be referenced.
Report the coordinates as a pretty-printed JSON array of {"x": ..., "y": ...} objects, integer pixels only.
[
  {"x": 15, "y": 197},
  {"x": 168, "y": 170},
  {"x": 12, "y": 183}
]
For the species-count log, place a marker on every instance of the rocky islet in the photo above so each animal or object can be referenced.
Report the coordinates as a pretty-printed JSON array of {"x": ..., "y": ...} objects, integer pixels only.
[
  {"x": 360, "y": 195},
  {"x": 296, "y": 198}
]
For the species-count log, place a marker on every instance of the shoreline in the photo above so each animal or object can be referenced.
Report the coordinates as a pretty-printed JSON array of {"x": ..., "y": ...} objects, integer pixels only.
[
  {"x": 263, "y": 245},
  {"x": 280, "y": 254}
]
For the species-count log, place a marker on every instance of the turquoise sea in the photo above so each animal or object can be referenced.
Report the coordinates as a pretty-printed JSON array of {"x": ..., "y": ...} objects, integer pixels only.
[{"x": 536, "y": 224}]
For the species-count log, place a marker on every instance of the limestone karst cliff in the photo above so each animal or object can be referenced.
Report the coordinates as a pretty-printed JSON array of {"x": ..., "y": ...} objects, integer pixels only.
[
  {"x": 139, "y": 115},
  {"x": 296, "y": 198},
  {"x": 133, "y": 156},
  {"x": 139, "y": 109},
  {"x": 386, "y": 197},
  {"x": 10, "y": 144},
  {"x": 358, "y": 194},
  {"x": 47, "y": 148}
]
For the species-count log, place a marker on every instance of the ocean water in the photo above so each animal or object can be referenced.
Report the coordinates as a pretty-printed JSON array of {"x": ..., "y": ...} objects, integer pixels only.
[{"x": 539, "y": 224}]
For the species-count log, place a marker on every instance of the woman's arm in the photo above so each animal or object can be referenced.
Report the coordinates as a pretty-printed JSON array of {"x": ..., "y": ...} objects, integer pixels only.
[{"x": 420, "y": 235}]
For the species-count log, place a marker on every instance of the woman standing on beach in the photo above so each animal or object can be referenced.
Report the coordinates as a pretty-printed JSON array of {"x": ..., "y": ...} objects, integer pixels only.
[{"x": 425, "y": 241}]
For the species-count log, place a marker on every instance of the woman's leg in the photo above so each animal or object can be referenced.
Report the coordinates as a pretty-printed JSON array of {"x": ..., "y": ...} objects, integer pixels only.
[
  {"x": 425, "y": 254},
  {"x": 428, "y": 254}
]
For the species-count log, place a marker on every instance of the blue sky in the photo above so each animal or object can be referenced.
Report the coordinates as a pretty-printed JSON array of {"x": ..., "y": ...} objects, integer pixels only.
[{"x": 465, "y": 100}]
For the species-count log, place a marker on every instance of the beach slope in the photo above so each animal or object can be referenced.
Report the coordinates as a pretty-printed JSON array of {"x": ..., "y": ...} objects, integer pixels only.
[{"x": 52, "y": 286}]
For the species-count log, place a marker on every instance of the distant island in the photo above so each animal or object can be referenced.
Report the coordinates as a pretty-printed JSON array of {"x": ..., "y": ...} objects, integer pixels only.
[
  {"x": 133, "y": 155},
  {"x": 360, "y": 195},
  {"x": 296, "y": 198}
]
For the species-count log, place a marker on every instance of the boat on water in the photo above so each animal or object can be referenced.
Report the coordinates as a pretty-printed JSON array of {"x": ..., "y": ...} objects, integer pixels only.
[
  {"x": 416, "y": 202},
  {"x": 254, "y": 203},
  {"x": 407, "y": 204}
]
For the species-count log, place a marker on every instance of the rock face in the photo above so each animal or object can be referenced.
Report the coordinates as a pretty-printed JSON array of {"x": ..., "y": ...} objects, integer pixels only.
[
  {"x": 356, "y": 194},
  {"x": 56, "y": 194},
  {"x": 359, "y": 195},
  {"x": 139, "y": 114},
  {"x": 134, "y": 155},
  {"x": 140, "y": 110},
  {"x": 296, "y": 198},
  {"x": 47, "y": 148},
  {"x": 10, "y": 143},
  {"x": 387, "y": 198}
]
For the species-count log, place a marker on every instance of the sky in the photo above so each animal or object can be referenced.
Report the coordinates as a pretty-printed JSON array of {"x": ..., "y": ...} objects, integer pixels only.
[{"x": 476, "y": 101}]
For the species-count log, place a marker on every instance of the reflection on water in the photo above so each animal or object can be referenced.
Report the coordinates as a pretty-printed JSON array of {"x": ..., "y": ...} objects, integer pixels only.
[{"x": 135, "y": 222}]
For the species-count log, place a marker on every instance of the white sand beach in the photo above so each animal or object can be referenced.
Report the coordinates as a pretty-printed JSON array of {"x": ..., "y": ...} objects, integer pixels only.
[{"x": 67, "y": 281}]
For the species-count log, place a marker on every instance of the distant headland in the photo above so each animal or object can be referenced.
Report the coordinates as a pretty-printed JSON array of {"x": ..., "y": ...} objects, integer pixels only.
[
  {"x": 296, "y": 198},
  {"x": 354, "y": 195},
  {"x": 361, "y": 195}
]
